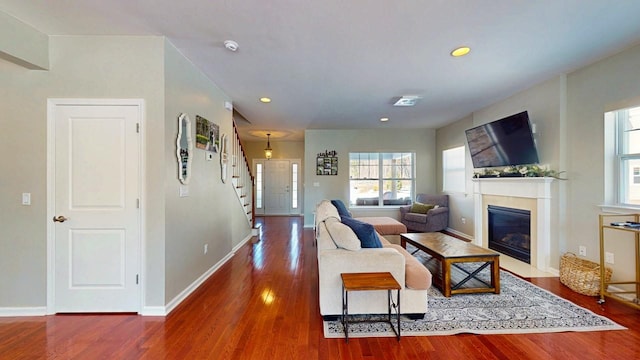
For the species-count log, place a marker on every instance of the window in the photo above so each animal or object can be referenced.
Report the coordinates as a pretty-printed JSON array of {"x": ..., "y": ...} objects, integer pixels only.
[
  {"x": 628, "y": 156},
  {"x": 381, "y": 179},
  {"x": 258, "y": 186},
  {"x": 453, "y": 171},
  {"x": 294, "y": 186}
]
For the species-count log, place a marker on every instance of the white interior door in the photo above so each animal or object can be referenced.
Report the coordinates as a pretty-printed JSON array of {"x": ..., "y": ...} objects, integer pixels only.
[
  {"x": 96, "y": 220},
  {"x": 277, "y": 194}
]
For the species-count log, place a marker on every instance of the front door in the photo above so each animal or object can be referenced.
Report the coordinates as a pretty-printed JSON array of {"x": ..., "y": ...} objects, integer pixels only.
[
  {"x": 96, "y": 215},
  {"x": 277, "y": 194}
]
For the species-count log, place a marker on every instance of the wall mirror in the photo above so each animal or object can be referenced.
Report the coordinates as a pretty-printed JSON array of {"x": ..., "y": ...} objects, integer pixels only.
[
  {"x": 224, "y": 157},
  {"x": 184, "y": 146}
]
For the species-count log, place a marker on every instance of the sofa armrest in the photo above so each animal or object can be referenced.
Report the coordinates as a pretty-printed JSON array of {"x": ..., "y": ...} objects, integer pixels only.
[
  {"x": 404, "y": 210},
  {"x": 438, "y": 211},
  {"x": 437, "y": 219},
  {"x": 333, "y": 262}
]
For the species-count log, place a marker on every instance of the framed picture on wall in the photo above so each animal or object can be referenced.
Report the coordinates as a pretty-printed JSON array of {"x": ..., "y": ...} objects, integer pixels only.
[
  {"x": 207, "y": 134},
  {"x": 327, "y": 163}
]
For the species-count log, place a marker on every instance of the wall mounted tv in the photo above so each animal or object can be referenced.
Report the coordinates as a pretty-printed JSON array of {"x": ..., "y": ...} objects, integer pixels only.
[{"x": 505, "y": 142}]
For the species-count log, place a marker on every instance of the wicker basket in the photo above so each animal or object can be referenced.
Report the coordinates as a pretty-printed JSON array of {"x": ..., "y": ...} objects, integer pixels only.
[{"x": 580, "y": 275}]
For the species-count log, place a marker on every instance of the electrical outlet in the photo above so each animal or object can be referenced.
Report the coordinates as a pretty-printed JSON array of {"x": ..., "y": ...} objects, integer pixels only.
[
  {"x": 582, "y": 250},
  {"x": 608, "y": 257},
  {"x": 206, "y": 248},
  {"x": 464, "y": 220}
]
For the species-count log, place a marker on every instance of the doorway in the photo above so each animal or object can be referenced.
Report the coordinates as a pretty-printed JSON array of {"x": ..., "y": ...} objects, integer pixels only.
[
  {"x": 94, "y": 216},
  {"x": 277, "y": 186}
]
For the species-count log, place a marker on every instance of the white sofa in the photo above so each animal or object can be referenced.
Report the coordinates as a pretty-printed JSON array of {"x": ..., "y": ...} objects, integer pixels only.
[{"x": 334, "y": 260}]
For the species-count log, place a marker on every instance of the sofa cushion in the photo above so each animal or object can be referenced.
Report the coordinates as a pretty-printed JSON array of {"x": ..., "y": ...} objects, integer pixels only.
[
  {"x": 326, "y": 210},
  {"x": 342, "y": 209},
  {"x": 342, "y": 235},
  {"x": 416, "y": 276},
  {"x": 420, "y": 208},
  {"x": 420, "y": 218},
  {"x": 365, "y": 232}
]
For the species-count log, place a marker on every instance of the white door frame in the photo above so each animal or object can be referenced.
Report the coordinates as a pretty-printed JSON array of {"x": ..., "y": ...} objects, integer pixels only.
[
  {"x": 51, "y": 166},
  {"x": 292, "y": 211}
]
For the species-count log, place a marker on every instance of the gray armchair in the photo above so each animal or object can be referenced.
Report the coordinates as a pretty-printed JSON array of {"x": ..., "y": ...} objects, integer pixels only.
[{"x": 434, "y": 220}]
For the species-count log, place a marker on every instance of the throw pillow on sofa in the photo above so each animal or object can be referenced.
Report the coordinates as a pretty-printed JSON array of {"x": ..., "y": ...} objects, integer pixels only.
[
  {"x": 342, "y": 235},
  {"x": 365, "y": 232},
  {"x": 342, "y": 209},
  {"x": 420, "y": 208}
]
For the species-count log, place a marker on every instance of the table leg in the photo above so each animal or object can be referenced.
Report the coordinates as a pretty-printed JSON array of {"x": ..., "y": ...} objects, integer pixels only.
[
  {"x": 345, "y": 313},
  {"x": 446, "y": 277},
  {"x": 495, "y": 274},
  {"x": 398, "y": 313}
]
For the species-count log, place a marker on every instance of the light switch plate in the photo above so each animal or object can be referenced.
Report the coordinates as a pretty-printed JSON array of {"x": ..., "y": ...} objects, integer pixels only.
[
  {"x": 184, "y": 190},
  {"x": 26, "y": 198}
]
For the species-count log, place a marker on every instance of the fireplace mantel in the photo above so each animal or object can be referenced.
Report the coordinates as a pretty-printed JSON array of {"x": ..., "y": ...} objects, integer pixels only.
[{"x": 535, "y": 188}]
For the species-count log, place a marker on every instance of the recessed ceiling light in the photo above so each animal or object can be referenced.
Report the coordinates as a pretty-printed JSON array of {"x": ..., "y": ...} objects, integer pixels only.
[
  {"x": 384, "y": 119},
  {"x": 231, "y": 45},
  {"x": 461, "y": 51},
  {"x": 265, "y": 100}
]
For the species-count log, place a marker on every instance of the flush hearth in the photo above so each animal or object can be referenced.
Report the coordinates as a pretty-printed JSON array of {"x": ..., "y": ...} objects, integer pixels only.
[{"x": 510, "y": 232}]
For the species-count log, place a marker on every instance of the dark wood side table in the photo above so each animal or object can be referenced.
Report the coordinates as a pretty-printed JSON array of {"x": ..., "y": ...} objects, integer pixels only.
[{"x": 370, "y": 281}]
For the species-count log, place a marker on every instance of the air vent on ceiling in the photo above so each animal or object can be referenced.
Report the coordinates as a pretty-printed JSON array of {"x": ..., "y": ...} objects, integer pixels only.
[{"x": 407, "y": 100}]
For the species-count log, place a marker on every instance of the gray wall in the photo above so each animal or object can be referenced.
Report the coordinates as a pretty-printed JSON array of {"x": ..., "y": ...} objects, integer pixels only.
[
  {"x": 80, "y": 67},
  {"x": 207, "y": 215},
  {"x": 420, "y": 141},
  {"x": 460, "y": 204},
  {"x": 610, "y": 84},
  {"x": 569, "y": 115},
  {"x": 545, "y": 103},
  {"x": 176, "y": 228}
]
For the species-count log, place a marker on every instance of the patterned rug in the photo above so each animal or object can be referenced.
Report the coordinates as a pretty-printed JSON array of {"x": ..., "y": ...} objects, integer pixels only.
[{"x": 521, "y": 307}]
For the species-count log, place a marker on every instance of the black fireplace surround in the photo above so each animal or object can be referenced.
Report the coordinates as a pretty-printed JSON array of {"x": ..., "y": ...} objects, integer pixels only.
[{"x": 510, "y": 232}]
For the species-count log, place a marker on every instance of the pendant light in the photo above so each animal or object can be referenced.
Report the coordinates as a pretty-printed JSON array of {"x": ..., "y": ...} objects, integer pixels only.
[{"x": 268, "y": 152}]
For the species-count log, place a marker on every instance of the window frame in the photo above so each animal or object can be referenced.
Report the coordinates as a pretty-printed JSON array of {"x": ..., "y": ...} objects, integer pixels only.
[
  {"x": 624, "y": 179},
  {"x": 381, "y": 179}
]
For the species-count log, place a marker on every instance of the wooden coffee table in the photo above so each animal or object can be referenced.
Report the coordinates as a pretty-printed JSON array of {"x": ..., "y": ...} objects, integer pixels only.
[{"x": 449, "y": 251}]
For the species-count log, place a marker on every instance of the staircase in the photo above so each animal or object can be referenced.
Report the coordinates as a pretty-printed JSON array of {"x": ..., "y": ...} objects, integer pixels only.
[{"x": 241, "y": 177}]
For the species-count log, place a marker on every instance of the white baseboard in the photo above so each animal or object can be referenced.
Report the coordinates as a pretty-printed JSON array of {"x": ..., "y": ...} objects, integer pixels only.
[
  {"x": 461, "y": 234},
  {"x": 159, "y": 311},
  {"x": 196, "y": 284},
  {"x": 153, "y": 311},
  {"x": 23, "y": 311},
  {"x": 553, "y": 271}
]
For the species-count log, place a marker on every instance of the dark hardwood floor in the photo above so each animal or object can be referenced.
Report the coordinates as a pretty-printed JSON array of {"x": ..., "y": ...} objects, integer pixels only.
[{"x": 263, "y": 304}]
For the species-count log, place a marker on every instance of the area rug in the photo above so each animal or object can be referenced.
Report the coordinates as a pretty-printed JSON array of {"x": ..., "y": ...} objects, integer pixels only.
[{"x": 520, "y": 308}]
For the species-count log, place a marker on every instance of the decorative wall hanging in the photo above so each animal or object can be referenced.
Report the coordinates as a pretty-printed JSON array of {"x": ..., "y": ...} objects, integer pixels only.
[
  {"x": 224, "y": 157},
  {"x": 207, "y": 134},
  {"x": 327, "y": 163},
  {"x": 184, "y": 145}
]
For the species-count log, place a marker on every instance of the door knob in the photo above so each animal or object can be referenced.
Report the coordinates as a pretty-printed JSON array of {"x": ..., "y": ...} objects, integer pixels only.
[{"x": 59, "y": 218}]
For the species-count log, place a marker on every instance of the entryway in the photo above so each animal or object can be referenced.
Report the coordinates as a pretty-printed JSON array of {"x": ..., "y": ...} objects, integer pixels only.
[
  {"x": 94, "y": 215},
  {"x": 277, "y": 186}
]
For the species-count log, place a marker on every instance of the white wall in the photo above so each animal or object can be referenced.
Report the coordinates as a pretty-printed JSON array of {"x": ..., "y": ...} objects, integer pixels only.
[{"x": 420, "y": 141}]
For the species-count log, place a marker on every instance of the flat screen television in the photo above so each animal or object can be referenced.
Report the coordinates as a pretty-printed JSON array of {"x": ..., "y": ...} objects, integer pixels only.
[{"x": 505, "y": 142}]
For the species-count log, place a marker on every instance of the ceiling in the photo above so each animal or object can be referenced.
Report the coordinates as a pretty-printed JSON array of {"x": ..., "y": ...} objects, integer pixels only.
[{"x": 336, "y": 64}]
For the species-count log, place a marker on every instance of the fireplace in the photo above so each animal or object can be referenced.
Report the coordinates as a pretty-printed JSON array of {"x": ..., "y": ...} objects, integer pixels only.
[{"x": 510, "y": 232}]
